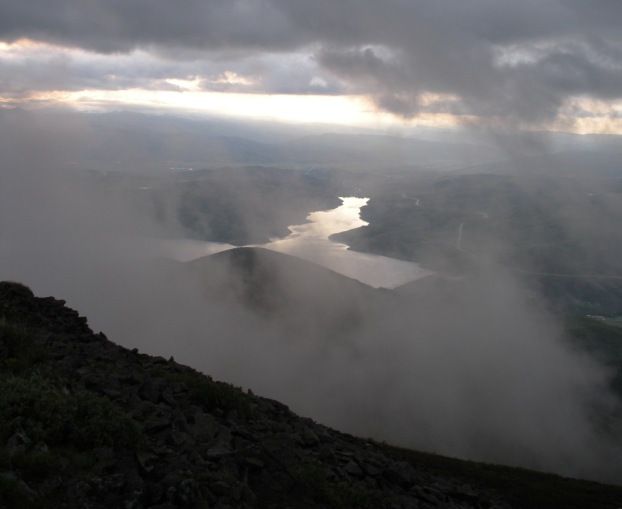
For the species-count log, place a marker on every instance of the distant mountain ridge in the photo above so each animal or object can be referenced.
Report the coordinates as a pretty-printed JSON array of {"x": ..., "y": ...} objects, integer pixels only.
[
  {"x": 154, "y": 143},
  {"x": 293, "y": 289}
]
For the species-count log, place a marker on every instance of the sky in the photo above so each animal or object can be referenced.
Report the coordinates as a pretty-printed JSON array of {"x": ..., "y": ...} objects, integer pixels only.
[{"x": 535, "y": 64}]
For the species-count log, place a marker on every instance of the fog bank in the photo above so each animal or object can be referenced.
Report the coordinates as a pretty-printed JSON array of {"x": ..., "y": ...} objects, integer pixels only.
[{"x": 474, "y": 368}]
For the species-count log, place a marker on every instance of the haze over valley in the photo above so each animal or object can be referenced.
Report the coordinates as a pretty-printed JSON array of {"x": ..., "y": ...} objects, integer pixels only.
[{"x": 476, "y": 359}]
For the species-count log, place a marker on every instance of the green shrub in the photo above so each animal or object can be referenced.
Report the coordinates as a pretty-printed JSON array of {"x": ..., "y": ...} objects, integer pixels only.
[
  {"x": 12, "y": 496},
  {"x": 208, "y": 392},
  {"x": 314, "y": 481},
  {"x": 46, "y": 413},
  {"x": 35, "y": 464},
  {"x": 18, "y": 352},
  {"x": 15, "y": 288}
]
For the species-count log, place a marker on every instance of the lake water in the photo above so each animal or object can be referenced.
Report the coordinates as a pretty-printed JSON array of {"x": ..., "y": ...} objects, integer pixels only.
[{"x": 311, "y": 242}]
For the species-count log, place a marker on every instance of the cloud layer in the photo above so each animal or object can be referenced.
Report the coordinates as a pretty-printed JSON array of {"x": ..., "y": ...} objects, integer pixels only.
[{"x": 524, "y": 61}]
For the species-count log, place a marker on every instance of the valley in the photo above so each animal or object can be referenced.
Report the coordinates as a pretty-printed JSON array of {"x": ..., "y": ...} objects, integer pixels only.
[{"x": 487, "y": 357}]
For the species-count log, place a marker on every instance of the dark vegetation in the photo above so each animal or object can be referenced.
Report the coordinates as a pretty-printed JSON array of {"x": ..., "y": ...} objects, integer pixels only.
[
  {"x": 521, "y": 488},
  {"x": 207, "y": 392},
  {"x": 229, "y": 204},
  {"x": 559, "y": 234},
  {"x": 602, "y": 340},
  {"x": 46, "y": 427},
  {"x": 242, "y": 205}
]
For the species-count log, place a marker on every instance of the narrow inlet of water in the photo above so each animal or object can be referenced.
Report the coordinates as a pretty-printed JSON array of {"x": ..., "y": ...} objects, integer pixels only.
[{"x": 310, "y": 241}]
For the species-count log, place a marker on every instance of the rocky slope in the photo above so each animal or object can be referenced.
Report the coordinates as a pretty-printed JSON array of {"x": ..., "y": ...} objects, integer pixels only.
[
  {"x": 87, "y": 423},
  {"x": 141, "y": 431}
]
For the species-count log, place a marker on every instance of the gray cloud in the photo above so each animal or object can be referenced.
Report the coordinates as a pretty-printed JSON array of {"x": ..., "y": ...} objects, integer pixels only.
[
  {"x": 48, "y": 69},
  {"x": 519, "y": 60},
  {"x": 458, "y": 48},
  {"x": 112, "y": 27}
]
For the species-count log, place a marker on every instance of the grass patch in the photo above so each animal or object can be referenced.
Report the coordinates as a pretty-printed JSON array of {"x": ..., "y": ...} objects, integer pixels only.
[
  {"x": 315, "y": 484},
  {"x": 13, "y": 495},
  {"x": 16, "y": 289},
  {"x": 521, "y": 488},
  {"x": 597, "y": 337},
  {"x": 600, "y": 339},
  {"x": 44, "y": 412},
  {"x": 35, "y": 465},
  {"x": 18, "y": 351},
  {"x": 209, "y": 393}
]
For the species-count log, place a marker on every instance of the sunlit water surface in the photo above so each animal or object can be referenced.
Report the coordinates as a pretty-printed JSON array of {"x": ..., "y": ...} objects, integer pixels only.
[{"x": 311, "y": 242}]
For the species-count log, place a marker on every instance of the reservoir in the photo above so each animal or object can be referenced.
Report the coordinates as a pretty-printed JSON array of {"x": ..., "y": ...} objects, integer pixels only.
[{"x": 310, "y": 241}]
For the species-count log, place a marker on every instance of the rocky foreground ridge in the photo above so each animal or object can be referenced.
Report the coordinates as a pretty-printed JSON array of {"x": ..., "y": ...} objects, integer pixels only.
[{"x": 85, "y": 423}]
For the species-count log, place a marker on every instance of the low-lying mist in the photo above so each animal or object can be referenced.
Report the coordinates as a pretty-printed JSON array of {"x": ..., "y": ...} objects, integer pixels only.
[{"x": 473, "y": 367}]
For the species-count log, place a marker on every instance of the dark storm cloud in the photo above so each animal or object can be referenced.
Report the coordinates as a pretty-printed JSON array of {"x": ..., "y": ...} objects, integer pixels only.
[
  {"x": 521, "y": 60},
  {"x": 117, "y": 26},
  {"x": 518, "y": 60}
]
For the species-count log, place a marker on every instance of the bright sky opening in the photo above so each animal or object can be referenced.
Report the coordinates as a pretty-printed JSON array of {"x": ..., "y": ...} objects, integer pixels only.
[{"x": 535, "y": 66}]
